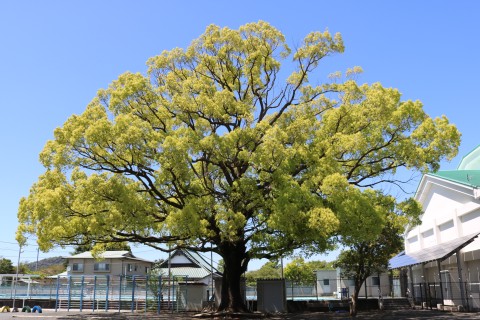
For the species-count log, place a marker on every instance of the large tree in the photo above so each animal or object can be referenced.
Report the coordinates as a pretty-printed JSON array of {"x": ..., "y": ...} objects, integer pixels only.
[{"x": 215, "y": 149}]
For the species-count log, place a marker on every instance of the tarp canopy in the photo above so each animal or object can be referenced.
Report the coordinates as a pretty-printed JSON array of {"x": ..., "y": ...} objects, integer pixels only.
[{"x": 438, "y": 252}]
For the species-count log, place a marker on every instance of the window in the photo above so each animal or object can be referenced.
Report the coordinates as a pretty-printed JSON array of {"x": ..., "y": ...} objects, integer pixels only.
[
  {"x": 77, "y": 267},
  {"x": 375, "y": 281},
  {"x": 427, "y": 233},
  {"x": 413, "y": 239},
  {"x": 147, "y": 270},
  {"x": 101, "y": 266},
  {"x": 445, "y": 226},
  {"x": 129, "y": 268},
  {"x": 326, "y": 282}
]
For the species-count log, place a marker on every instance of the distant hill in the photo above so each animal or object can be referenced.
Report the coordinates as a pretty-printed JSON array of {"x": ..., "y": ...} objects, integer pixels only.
[{"x": 46, "y": 263}]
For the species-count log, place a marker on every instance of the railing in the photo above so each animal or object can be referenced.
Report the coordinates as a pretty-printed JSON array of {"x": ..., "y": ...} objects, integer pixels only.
[{"x": 105, "y": 292}]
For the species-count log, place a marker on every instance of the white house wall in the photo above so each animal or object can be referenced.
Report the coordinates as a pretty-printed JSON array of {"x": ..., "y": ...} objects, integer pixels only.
[
  {"x": 450, "y": 211},
  {"x": 179, "y": 259}
]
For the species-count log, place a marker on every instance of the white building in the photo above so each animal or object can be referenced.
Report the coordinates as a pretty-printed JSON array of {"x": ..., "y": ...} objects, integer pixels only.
[
  {"x": 442, "y": 254},
  {"x": 330, "y": 283}
]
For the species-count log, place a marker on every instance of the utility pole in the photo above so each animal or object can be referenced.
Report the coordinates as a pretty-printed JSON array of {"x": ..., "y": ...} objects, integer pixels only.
[
  {"x": 36, "y": 264},
  {"x": 211, "y": 272}
]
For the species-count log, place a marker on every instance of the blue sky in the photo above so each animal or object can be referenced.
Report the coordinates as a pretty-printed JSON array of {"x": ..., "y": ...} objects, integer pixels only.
[{"x": 55, "y": 55}]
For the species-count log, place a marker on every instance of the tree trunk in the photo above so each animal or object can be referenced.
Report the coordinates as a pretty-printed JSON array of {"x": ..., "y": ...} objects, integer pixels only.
[
  {"x": 354, "y": 301},
  {"x": 234, "y": 257},
  {"x": 353, "y": 304}
]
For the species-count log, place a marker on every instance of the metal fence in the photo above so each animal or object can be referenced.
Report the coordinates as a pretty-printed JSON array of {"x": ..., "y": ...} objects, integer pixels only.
[
  {"x": 97, "y": 292},
  {"x": 448, "y": 293},
  {"x": 294, "y": 291}
]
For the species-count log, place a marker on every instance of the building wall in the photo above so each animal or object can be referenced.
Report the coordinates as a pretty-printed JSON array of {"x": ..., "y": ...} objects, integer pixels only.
[
  {"x": 449, "y": 212},
  {"x": 326, "y": 282},
  {"x": 116, "y": 266},
  {"x": 193, "y": 296}
]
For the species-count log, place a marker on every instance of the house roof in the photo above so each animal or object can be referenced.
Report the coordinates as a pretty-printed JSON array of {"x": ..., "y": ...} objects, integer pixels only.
[
  {"x": 188, "y": 272},
  {"x": 467, "y": 173},
  {"x": 108, "y": 255},
  {"x": 471, "y": 161},
  {"x": 198, "y": 269},
  {"x": 436, "y": 252},
  {"x": 466, "y": 177}
]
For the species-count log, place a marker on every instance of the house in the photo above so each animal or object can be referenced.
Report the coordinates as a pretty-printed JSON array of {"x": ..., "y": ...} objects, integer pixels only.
[
  {"x": 191, "y": 266},
  {"x": 442, "y": 254},
  {"x": 112, "y": 263},
  {"x": 194, "y": 275}
]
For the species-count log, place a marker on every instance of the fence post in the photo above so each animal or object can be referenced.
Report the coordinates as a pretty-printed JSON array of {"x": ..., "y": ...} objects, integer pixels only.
[
  {"x": 186, "y": 292},
  {"x": 94, "y": 292},
  {"x": 69, "y": 292},
  {"x": 293, "y": 294},
  {"x": 133, "y": 294},
  {"x": 173, "y": 292},
  {"x": 421, "y": 295},
  {"x": 120, "y": 293},
  {"x": 159, "y": 293},
  {"x": 81, "y": 293},
  {"x": 107, "y": 292},
  {"x": 467, "y": 297},
  {"x": 146, "y": 292},
  {"x": 56, "y": 296}
]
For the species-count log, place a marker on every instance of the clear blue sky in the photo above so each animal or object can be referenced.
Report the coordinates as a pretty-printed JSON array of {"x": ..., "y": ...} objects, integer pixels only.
[{"x": 55, "y": 55}]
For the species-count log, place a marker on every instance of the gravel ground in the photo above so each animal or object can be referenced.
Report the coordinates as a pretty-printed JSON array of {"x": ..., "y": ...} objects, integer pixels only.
[{"x": 366, "y": 315}]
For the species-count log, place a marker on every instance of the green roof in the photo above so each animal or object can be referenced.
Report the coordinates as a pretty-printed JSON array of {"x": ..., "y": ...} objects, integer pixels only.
[
  {"x": 471, "y": 161},
  {"x": 466, "y": 177}
]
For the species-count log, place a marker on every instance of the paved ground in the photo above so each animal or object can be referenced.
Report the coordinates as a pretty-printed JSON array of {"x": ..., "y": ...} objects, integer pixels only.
[{"x": 370, "y": 315}]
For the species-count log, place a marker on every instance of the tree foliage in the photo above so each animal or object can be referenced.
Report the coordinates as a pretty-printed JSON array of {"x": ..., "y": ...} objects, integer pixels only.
[
  {"x": 303, "y": 272},
  {"x": 6, "y": 266},
  {"x": 270, "y": 270},
  {"x": 368, "y": 250},
  {"x": 109, "y": 246},
  {"x": 213, "y": 148}
]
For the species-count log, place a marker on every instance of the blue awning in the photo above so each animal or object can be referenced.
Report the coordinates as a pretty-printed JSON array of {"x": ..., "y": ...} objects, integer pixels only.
[{"x": 438, "y": 252}]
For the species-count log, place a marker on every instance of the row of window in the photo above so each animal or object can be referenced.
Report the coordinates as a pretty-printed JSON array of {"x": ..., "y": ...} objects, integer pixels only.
[{"x": 105, "y": 267}]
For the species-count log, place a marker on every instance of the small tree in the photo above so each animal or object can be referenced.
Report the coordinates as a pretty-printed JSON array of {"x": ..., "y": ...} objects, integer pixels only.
[
  {"x": 155, "y": 278},
  {"x": 368, "y": 249}
]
